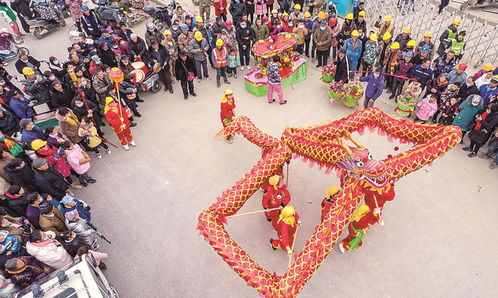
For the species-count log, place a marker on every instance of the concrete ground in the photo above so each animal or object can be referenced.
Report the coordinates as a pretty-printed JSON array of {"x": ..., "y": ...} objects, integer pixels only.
[{"x": 438, "y": 240}]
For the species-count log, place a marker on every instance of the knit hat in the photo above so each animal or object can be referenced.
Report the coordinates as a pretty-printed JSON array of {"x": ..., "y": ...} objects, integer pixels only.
[
  {"x": 45, "y": 208},
  {"x": 71, "y": 215},
  {"x": 24, "y": 122},
  {"x": 39, "y": 162},
  {"x": 67, "y": 199}
]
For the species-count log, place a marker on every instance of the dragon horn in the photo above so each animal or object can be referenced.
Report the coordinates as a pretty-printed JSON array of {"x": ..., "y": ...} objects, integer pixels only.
[
  {"x": 344, "y": 145},
  {"x": 350, "y": 137}
]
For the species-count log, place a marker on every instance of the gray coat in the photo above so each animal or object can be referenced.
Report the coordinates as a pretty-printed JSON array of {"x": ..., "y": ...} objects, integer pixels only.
[
  {"x": 84, "y": 233},
  {"x": 196, "y": 48}
]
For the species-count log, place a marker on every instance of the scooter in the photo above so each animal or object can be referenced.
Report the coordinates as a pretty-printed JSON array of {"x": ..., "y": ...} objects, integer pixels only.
[
  {"x": 160, "y": 14},
  {"x": 476, "y": 3},
  {"x": 41, "y": 27},
  {"x": 8, "y": 48}
]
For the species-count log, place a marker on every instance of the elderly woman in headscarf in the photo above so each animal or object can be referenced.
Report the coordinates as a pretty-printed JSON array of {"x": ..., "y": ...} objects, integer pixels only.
[
  {"x": 117, "y": 117},
  {"x": 23, "y": 271}
]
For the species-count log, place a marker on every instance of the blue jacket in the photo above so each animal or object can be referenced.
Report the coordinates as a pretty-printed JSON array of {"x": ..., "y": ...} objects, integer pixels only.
[
  {"x": 82, "y": 211},
  {"x": 374, "y": 86},
  {"x": 10, "y": 243},
  {"x": 21, "y": 108},
  {"x": 353, "y": 53},
  {"x": 29, "y": 135},
  {"x": 467, "y": 112},
  {"x": 421, "y": 74},
  {"x": 486, "y": 93}
]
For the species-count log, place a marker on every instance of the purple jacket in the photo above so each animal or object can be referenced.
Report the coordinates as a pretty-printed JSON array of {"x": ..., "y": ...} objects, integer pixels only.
[
  {"x": 403, "y": 68},
  {"x": 374, "y": 86}
]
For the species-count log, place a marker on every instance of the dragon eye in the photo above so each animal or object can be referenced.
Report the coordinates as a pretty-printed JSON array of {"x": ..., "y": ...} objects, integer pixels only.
[
  {"x": 360, "y": 164},
  {"x": 370, "y": 155}
]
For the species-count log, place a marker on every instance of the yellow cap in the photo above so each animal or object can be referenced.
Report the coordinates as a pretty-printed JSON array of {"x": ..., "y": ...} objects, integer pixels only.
[
  {"x": 488, "y": 67},
  {"x": 332, "y": 191},
  {"x": 167, "y": 32},
  {"x": 307, "y": 14},
  {"x": 411, "y": 43},
  {"x": 374, "y": 37},
  {"x": 428, "y": 34},
  {"x": 406, "y": 30},
  {"x": 199, "y": 20},
  {"x": 388, "y": 18},
  {"x": 321, "y": 15},
  {"x": 288, "y": 211},
  {"x": 362, "y": 13},
  {"x": 349, "y": 16},
  {"x": 285, "y": 14},
  {"x": 355, "y": 33},
  {"x": 386, "y": 36},
  {"x": 494, "y": 78},
  {"x": 456, "y": 21},
  {"x": 108, "y": 100},
  {"x": 37, "y": 144},
  {"x": 274, "y": 180},
  {"x": 274, "y": 11},
  {"x": 395, "y": 45},
  {"x": 198, "y": 35},
  {"x": 228, "y": 91},
  {"x": 297, "y": 6},
  {"x": 219, "y": 42},
  {"x": 27, "y": 71}
]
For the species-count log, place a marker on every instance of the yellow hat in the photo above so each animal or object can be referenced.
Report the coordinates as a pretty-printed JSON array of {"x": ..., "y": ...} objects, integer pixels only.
[
  {"x": 374, "y": 37},
  {"x": 321, "y": 15},
  {"x": 285, "y": 14},
  {"x": 362, "y": 13},
  {"x": 198, "y": 35},
  {"x": 307, "y": 14},
  {"x": 406, "y": 30},
  {"x": 228, "y": 91},
  {"x": 355, "y": 33},
  {"x": 456, "y": 21},
  {"x": 37, "y": 144},
  {"x": 297, "y": 6},
  {"x": 349, "y": 16},
  {"x": 395, "y": 45},
  {"x": 288, "y": 211},
  {"x": 167, "y": 32},
  {"x": 428, "y": 34},
  {"x": 219, "y": 42},
  {"x": 199, "y": 20},
  {"x": 108, "y": 100},
  {"x": 274, "y": 11},
  {"x": 411, "y": 43},
  {"x": 274, "y": 180},
  {"x": 386, "y": 36},
  {"x": 332, "y": 191},
  {"x": 388, "y": 18},
  {"x": 488, "y": 67},
  {"x": 27, "y": 71}
]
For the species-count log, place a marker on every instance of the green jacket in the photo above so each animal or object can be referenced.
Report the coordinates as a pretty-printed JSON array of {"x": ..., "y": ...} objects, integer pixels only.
[{"x": 260, "y": 33}]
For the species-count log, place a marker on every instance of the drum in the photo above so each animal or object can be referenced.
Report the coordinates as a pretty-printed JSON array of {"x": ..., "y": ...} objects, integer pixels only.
[
  {"x": 138, "y": 75},
  {"x": 140, "y": 65}
]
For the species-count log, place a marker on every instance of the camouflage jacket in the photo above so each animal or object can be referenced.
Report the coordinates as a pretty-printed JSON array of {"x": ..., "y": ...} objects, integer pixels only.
[{"x": 184, "y": 42}]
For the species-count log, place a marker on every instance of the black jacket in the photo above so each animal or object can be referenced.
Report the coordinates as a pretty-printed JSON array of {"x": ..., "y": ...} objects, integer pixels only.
[
  {"x": 237, "y": 10},
  {"x": 180, "y": 72},
  {"x": 9, "y": 123},
  {"x": 20, "y": 65},
  {"x": 51, "y": 182},
  {"x": 91, "y": 24},
  {"x": 81, "y": 112},
  {"x": 63, "y": 98},
  {"x": 108, "y": 57},
  {"x": 24, "y": 177},
  {"x": 488, "y": 125},
  {"x": 22, "y": 7},
  {"x": 244, "y": 36},
  {"x": 18, "y": 205},
  {"x": 137, "y": 48},
  {"x": 161, "y": 56},
  {"x": 465, "y": 91},
  {"x": 341, "y": 72}
]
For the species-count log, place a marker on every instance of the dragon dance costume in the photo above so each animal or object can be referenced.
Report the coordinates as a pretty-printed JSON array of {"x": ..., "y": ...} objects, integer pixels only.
[{"x": 276, "y": 195}]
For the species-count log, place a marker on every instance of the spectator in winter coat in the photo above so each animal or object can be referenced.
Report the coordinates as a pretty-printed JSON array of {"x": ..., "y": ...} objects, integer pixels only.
[
  {"x": 199, "y": 47},
  {"x": 10, "y": 248},
  {"x": 403, "y": 38},
  {"x": 27, "y": 61},
  {"x": 32, "y": 211},
  {"x": 444, "y": 64},
  {"x": 91, "y": 23},
  {"x": 422, "y": 73},
  {"x": 23, "y": 271},
  {"x": 447, "y": 36},
  {"x": 20, "y": 174},
  {"x": 16, "y": 199},
  {"x": 484, "y": 79},
  {"x": 458, "y": 76},
  {"x": 183, "y": 66},
  {"x": 437, "y": 85},
  {"x": 30, "y": 131},
  {"x": 79, "y": 161},
  {"x": 70, "y": 203},
  {"x": 47, "y": 250},
  {"x": 61, "y": 95},
  {"x": 301, "y": 32},
  {"x": 137, "y": 47},
  {"x": 69, "y": 123},
  {"x": 491, "y": 89},
  {"x": 237, "y": 9},
  {"x": 244, "y": 36},
  {"x": 107, "y": 56},
  {"x": 220, "y": 9},
  {"x": 374, "y": 87},
  {"x": 48, "y": 180},
  {"x": 426, "y": 41},
  {"x": 467, "y": 110},
  {"x": 275, "y": 81},
  {"x": 20, "y": 106},
  {"x": 322, "y": 37},
  {"x": 51, "y": 219},
  {"x": 8, "y": 122},
  {"x": 372, "y": 49},
  {"x": 427, "y": 108},
  {"x": 402, "y": 69},
  {"x": 466, "y": 89},
  {"x": 261, "y": 31},
  {"x": 353, "y": 48},
  {"x": 484, "y": 127},
  {"x": 80, "y": 227},
  {"x": 341, "y": 73}
]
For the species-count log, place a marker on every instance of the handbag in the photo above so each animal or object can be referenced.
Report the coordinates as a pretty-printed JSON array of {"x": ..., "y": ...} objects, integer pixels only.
[{"x": 190, "y": 75}]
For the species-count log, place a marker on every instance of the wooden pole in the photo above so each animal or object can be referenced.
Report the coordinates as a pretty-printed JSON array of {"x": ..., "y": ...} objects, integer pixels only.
[
  {"x": 291, "y": 259},
  {"x": 254, "y": 212}
]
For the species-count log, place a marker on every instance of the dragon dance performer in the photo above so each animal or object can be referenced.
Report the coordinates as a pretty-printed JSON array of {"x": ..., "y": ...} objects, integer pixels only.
[
  {"x": 329, "y": 199},
  {"x": 286, "y": 226},
  {"x": 276, "y": 195},
  {"x": 117, "y": 117},
  {"x": 360, "y": 222},
  {"x": 227, "y": 106}
]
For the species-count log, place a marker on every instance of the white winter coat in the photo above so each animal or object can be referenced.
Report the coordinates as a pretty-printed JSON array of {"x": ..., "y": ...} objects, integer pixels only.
[{"x": 52, "y": 254}]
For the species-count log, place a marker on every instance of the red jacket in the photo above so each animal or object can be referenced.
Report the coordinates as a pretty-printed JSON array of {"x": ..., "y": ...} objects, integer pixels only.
[
  {"x": 220, "y": 7},
  {"x": 286, "y": 232},
  {"x": 276, "y": 197},
  {"x": 371, "y": 196},
  {"x": 227, "y": 111},
  {"x": 113, "y": 117}
]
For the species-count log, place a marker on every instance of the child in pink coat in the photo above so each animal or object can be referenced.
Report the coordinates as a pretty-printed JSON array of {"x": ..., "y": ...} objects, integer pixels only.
[
  {"x": 79, "y": 161},
  {"x": 427, "y": 108}
]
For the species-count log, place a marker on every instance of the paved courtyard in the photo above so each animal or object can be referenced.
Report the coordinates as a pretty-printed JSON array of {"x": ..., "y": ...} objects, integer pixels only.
[{"x": 439, "y": 239}]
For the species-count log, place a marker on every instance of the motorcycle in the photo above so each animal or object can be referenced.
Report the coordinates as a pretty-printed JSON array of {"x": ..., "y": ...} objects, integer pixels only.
[
  {"x": 476, "y": 3},
  {"x": 8, "y": 48},
  {"x": 160, "y": 14},
  {"x": 117, "y": 14},
  {"x": 48, "y": 18}
]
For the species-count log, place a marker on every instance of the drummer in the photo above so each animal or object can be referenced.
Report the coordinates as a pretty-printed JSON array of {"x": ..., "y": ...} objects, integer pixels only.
[{"x": 126, "y": 67}]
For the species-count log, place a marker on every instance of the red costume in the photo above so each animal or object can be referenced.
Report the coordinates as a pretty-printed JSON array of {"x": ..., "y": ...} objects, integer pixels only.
[
  {"x": 285, "y": 233},
  {"x": 375, "y": 200},
  {"x": 113, "y": 116},
  {"x": 357, "y": 228},
  {"x": 220, "y": 7},
  {"x": 226, "y": 113},
  {"x": 273, "y": 198},
  {"x": 329, "y": 200}
]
